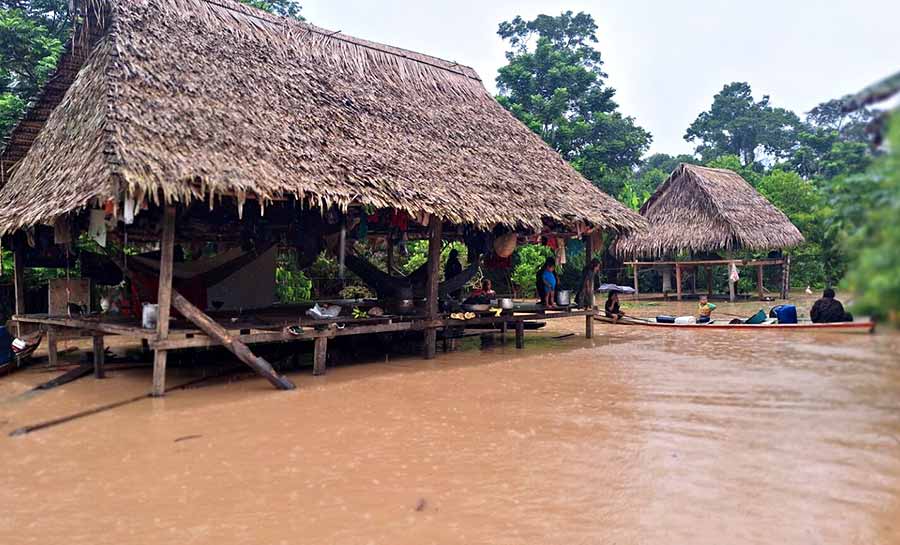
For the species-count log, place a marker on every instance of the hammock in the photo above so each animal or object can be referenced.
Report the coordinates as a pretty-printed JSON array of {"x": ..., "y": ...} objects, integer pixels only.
[{"x": 405, "y": 287}]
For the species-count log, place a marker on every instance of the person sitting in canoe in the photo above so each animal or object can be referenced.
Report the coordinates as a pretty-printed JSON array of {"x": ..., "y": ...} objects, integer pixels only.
[
  {"x": 704, "y": 310},
  {"x": 829, "y": 310},
  {"x": 612, "y": 307}
]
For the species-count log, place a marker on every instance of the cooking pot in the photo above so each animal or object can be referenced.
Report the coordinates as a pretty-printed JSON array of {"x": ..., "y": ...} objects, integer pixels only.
[
  {"x": 563, "y": 298},
  {"x": 506, "y": 303}
]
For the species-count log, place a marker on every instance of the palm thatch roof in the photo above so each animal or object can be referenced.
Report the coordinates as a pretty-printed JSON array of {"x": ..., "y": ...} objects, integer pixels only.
[
  {"x": 699, "y": 209},
  {"x": 179, "y": 100}
]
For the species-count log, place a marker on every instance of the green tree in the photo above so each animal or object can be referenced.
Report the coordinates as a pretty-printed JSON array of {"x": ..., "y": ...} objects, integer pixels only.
[
  {"x": 29, "y": 52},
  {"x": 286, "y": 8},
  {"x": 875, "y": 241},
  {"x": 665, "y": 162},
  {"x": 554, "y": 83},
  {"x": 736, "y": 124},
  {"x": 526, "y": 262},
  {"x": 752, "y": 173}
]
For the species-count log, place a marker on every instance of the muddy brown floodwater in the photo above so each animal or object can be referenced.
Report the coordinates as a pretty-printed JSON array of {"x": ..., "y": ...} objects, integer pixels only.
[{"x": 640, "y": 436}]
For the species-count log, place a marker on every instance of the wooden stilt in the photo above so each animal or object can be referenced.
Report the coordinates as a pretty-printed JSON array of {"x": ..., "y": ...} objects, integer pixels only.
[
  {"x": 390, "y": 256},
  {"x": 709, "y": 282},
  {"x": 435, "y": 234},
  {"x": 520, "y": 334},
  {"x": 759, "y": 281},
  {"x": 504, "y": 327},
  {"x": 19, "y": 281},
  {"x": 678, "y": 280},
  {"x": 787, "y": 277},
  {"x": 164, "y": 299},
  {"x": 694, "y": 280},
  {"x": 52, "y": 347},
  {"x": 637, "y": 290},
  {"x": 590, "y": 303},
  {"x": 320, "y": 356},
  {"x": 99, "y": 357}
]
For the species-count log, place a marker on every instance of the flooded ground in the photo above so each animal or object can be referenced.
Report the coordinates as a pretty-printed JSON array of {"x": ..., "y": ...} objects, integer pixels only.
[{"x": 641, "y": 436}]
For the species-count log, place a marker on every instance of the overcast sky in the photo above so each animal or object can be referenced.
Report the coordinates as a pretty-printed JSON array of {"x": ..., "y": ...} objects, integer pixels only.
[{"x": 666, "y": 59}]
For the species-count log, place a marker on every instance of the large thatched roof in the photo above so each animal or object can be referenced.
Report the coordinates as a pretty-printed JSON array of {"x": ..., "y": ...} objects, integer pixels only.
[
  {"x": 702, "y": 209},
  {"x": 177, "y": 99}
]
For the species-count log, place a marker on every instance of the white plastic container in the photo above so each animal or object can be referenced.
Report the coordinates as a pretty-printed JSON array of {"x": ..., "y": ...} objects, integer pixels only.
[
  {"x": 150, "y": 316},
  {"x": 685, "y": 320}
]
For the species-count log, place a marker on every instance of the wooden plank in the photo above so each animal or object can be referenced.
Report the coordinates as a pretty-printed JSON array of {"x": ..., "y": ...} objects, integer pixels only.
[
  {"x": 678, "y": 280},
  {"x": 87, "y": 325},
  {"x": 19, "y": 281},
  {"x": 732, "y": 295},
  {"x": 435, "y": 234},
  {"x": 99, "y": 357},
  {"x": 320, "y": 356},
  {"x": 520, "y": 334},
  {"x": 164, "y": 299},
  {"x": 230, "y": 342}
]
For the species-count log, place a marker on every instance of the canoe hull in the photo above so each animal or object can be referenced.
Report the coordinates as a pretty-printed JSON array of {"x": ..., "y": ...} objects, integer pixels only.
[{"x": 863, "y": 326}]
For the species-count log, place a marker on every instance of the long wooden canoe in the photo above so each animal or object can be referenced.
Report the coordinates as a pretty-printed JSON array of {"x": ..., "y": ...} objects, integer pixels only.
[{"x": 864, "y": 326}]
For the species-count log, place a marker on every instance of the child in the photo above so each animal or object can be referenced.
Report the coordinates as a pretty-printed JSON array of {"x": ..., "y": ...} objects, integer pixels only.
[
  {"x": 705, "y": 310},
  {"x": 612, "y": 307},
  {"x": 549, "y": 279}
]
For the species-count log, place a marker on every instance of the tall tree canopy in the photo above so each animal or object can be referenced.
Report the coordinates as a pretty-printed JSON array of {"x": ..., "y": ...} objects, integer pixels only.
[
  {"x": 287, "y": 8},
  {"x": 555, "y": 84},
  {"x": 736, "y": 124}
]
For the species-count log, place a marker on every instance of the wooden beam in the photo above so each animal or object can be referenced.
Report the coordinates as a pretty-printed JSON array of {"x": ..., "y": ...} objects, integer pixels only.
[
  {"x": 99, "y": 357},
  {"x": 678, "y": 280},
  {"x": 86, "y": 325},
  {"x": 320, "y": 356},
  {"x": 164, "y": 299},
  {"x": 787, "y": 277},
  {"x": 19, "y": 281},
  {"x": 390, "y": 255},
  {"x": 435, "y": 234},
  {"x": 230, "y": 342},
  {"x": 709, "y": 281}
]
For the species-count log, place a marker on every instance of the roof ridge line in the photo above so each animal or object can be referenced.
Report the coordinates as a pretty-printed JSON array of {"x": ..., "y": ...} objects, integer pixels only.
[{"x": 372, "y": 45}]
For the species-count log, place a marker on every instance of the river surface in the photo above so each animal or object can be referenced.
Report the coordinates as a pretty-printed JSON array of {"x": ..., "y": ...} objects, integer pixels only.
[{"x": 641, "y": 436}]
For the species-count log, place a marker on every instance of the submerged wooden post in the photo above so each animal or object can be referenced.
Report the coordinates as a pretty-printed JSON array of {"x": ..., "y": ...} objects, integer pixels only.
[
  {"x": 678, "y": 280},
  {"x": 164, "y": 299},
  {"x": 99, "y": 357},
  {"x": 732, "y": 295},
  {"x": 232, "y": 344},
  {"x": 19, "y": 281},
  {"x": 52, "y": 347},
  {"x": 759, "y": 281},
  {"x": 320, "y": 356},
  {"x": 435, "y": 234},
  {"x": 520, "y": 334}
]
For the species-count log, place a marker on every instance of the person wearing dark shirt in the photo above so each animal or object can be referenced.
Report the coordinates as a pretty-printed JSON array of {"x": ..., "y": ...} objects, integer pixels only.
[
  {"x": 612, "y": 307},
  {"x": 584, "y": 298},
  {"x": 452, "y": 269},
  {"x": 829, "y": 310}
]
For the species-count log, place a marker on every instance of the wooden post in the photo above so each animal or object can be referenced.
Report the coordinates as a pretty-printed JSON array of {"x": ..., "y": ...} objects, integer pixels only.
[
  {"x": 759, "y": 281},
  {"x": 99, "y": 357},
  {"x": 637, "y": 290},
  {"x": 589, "y": 302},
  {"x": 787, "y": 277},
  {"x": 709, "y": 282},
  {"x": 435, "y": 234},
  {"x": 678, "y": 280},
  {"x": 164, "y": 299},
  {"x": 520, "y": 334},
  {"x": 732, "y": 295},
  {"x": 504, "y": 327},
  {"x": 19, "y": 281},
  {"x": 390, "y": 255},
  {"x": 52, "y": 347},
  {"x": 321, "y": 354},
  {"x": 694, "y": 280}
]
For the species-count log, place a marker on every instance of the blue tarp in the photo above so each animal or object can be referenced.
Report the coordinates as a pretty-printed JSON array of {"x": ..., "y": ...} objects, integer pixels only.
[{"x": 6, "y": 353}]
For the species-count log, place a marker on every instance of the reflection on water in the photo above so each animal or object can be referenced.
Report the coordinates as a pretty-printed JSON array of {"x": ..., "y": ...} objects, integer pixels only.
[{"x": 641, "y": 436}]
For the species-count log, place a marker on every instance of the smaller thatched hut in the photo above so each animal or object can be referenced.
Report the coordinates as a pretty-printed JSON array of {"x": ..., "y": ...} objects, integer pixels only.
[{"x": 700, "y": 210}]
